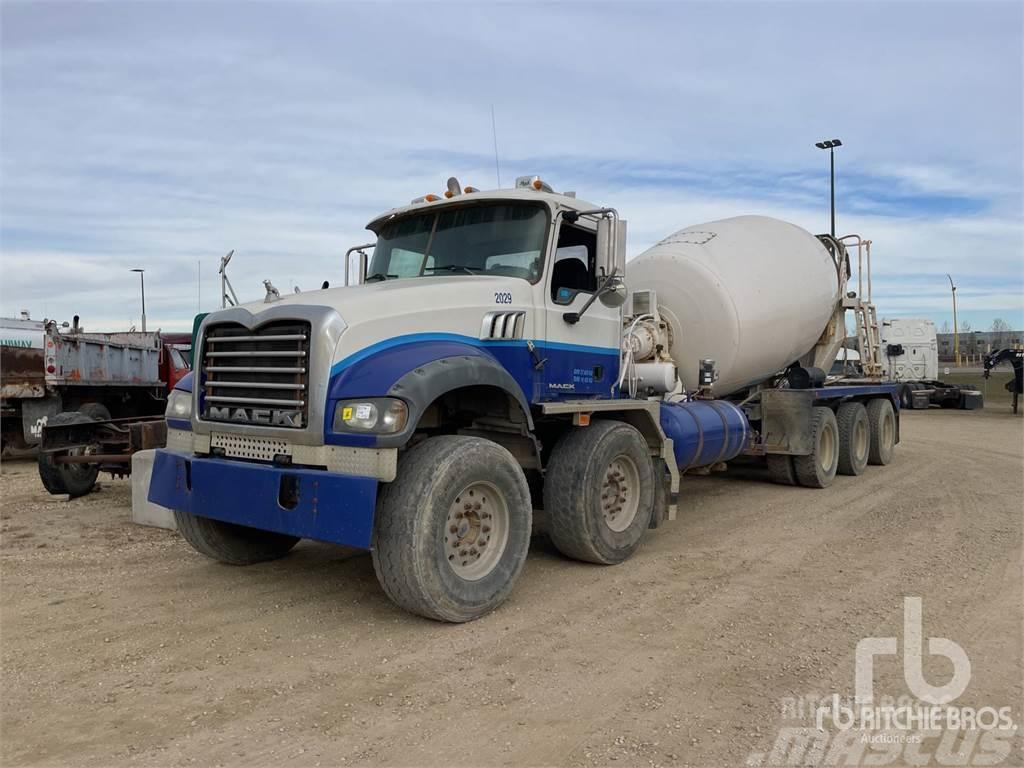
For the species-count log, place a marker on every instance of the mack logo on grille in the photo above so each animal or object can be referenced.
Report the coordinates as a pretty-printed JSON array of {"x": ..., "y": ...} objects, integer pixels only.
[
  {"x": 270, "y": 417},
  {"x": 256, "y": 376}
]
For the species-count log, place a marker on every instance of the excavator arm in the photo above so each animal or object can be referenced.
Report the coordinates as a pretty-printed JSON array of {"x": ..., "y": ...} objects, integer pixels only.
[{"x": 1015, "y": 357}]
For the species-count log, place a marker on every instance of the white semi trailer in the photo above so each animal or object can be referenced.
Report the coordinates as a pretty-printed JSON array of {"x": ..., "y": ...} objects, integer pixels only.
[{"x": 498, "y": 356}]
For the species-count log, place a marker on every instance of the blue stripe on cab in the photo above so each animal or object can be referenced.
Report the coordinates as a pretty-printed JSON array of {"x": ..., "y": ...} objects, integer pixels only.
[{"x": 413, "y": 338}]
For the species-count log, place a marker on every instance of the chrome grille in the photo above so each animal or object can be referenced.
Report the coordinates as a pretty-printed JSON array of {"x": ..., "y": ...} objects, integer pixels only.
[{"x": 257, "y": 377}]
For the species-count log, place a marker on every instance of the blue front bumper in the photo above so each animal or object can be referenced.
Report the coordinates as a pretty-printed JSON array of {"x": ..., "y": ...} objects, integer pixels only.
[{"x": 329, "y": 507}]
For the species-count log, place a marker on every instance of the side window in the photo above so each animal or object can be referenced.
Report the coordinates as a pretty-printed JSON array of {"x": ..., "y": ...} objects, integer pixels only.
[{"x": 575, "y": 264}]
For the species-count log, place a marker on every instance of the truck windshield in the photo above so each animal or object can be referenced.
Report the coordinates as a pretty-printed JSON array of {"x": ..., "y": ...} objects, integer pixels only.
[{"x": 489, "y": 239}]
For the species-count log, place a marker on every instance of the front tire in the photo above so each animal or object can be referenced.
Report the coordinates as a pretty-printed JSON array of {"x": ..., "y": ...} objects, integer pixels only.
[
  {"x": 599, "y": 492},
  {"x": 453, "y": 530},
  {"x": 230, "y": 543},
  {"x": 72, "y": 479},
  {"x": 818, "y": 470}
]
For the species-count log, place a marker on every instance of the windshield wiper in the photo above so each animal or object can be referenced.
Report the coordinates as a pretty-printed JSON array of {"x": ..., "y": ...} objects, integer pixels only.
[
  {"x": 379, "y": 276},
  {"x": 452, "y": 268}
]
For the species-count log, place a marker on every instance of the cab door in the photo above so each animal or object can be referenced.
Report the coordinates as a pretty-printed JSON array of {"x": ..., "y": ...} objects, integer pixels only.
[{"x": 582, "y": 358}]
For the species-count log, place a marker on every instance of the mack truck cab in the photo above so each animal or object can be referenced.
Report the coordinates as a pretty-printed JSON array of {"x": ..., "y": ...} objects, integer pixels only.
[{"x": 424, "y": 412}]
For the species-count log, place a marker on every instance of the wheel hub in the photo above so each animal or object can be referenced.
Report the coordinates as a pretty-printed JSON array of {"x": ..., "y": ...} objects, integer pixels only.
[
  {"x": 476, "y": 531},
  {"x": 620, "y": 493}
]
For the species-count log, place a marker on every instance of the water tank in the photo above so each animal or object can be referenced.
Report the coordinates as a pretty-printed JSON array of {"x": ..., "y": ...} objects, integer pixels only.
[{"x": 752, "y": 293}]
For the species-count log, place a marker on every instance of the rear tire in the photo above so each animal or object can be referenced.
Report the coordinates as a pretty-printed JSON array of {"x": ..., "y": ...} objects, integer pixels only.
[
  {"x": 818, "y": 470},
  {"x": 599, "y": 492},
  {"x": 882, "y": 423},
  {"x": 72, "y": 479},
  {"x": 854, "y": 438},
  {"x": 232, "y": 544},
  {"x": 780, "y": 469},
  {"x": 453, "y": 530}
]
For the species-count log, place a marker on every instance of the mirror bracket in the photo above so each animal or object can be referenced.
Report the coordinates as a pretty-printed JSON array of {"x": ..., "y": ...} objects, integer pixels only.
[{"x": 605, "y": 288}]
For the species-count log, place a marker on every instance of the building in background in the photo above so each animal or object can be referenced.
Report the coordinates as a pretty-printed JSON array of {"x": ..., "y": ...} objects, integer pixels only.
[{"x": 974, "y": 344}]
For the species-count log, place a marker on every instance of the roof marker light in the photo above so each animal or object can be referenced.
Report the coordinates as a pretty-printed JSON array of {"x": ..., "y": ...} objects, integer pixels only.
[{"x": 532, "y": 182}]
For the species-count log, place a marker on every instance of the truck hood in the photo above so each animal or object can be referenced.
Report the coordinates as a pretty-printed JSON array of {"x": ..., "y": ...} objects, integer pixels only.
[{"x": 450, "y": 304}]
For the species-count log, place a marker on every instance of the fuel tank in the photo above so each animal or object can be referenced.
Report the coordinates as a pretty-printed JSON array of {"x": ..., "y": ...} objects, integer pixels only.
[
  {"x": 752, "y": 293},
  {"x": 704, "y": 432}
]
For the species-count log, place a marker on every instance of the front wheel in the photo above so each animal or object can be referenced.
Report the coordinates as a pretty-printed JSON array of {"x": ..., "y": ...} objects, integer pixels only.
[
  {"x": 453, "y": 530},
  {"x": 599, "y": 492},
  {"x": 230, "y": 543},
  {"x": 73, "y": 479}
]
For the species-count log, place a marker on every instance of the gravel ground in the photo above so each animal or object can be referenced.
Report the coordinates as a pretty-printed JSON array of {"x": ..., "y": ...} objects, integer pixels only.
[{"x": 121, "y": 646}]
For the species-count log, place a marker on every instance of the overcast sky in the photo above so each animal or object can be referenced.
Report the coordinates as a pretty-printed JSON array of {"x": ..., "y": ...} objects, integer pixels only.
[{"x": 161, "y": 135}]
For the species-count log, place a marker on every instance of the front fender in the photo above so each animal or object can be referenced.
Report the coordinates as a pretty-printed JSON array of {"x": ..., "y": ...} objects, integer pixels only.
[{"x": 419, "y": 373}]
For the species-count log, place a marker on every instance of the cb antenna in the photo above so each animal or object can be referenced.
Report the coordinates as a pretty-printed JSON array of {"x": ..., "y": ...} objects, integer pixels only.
[{"x": 494, "y": 134}]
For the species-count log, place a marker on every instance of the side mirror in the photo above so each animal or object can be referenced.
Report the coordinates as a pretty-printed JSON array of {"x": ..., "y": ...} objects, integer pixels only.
[
  {"x": 613, "y": 292},
  {"x": 363, "y": 261},
  {"x": 611, "y": 244},
  {"x": 605, "y": 244}
]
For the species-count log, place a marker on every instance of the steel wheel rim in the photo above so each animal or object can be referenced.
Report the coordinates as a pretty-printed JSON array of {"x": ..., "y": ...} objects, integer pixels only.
[
  {"x": 476, "y": 531},
  {"x": 860, "y": 440},
  {"x": 827, "y": 449},
  {"x": 620, "y": 493}
]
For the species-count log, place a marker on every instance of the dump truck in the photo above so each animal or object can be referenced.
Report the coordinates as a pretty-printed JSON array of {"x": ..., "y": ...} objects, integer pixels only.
[
  {"x": 108, "y": 389},
  {"x": 495, "y": 356}
]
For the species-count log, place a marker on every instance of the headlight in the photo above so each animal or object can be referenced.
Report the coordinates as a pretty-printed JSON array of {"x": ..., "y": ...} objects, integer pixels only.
[
  {"x": 179, "y": 405},
  {"x": 381, "y": 415}
]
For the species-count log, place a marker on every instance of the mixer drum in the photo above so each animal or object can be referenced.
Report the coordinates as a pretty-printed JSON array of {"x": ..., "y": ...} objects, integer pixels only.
[{"x": 752, "y": 293}]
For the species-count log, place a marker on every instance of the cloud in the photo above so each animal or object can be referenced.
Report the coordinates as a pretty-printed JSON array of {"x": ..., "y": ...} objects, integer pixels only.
[{"x": 162, "y": 134}]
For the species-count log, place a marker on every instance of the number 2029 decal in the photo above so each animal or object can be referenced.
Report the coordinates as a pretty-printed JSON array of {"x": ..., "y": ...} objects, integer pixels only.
[{"x": 502, "y": 297}]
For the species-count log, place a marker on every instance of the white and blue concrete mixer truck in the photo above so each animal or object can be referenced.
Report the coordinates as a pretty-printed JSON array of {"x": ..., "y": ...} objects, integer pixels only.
[{"x": 497, "y": 355}]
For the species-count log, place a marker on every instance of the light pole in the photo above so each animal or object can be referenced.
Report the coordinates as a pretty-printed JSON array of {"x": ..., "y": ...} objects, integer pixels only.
[
  {"x": 830, "y": 145},
  {"x": 956, "y": 328},
  {"x": 142, "y": 278}
]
